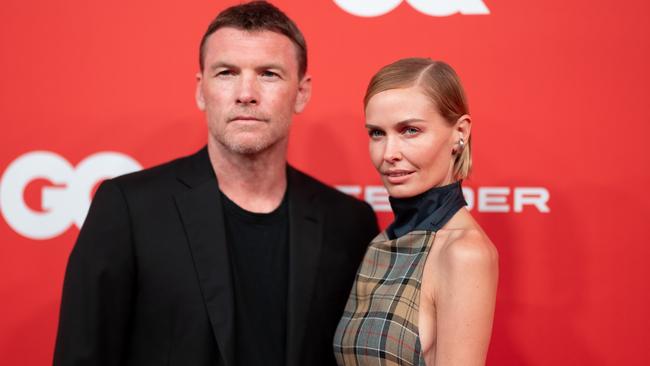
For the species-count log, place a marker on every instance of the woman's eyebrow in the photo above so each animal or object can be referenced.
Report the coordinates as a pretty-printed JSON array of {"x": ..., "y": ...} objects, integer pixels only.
[{"x": 400, "y": 123}]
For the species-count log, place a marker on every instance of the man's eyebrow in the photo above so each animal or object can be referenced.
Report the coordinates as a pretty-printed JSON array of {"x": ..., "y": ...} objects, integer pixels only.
[
  {"x": 271, "y": 66},
  {"x": 227, "y": 65},
  {"x": 220, "y": 64}
]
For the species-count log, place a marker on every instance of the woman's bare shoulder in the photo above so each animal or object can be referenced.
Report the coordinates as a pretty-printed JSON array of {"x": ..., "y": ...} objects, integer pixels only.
[
  {"x": 462, "y": 253},
  {"x": 467, "y": 246}
]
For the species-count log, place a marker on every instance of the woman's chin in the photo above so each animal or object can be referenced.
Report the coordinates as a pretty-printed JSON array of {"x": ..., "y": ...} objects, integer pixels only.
[{"x": 400, "y": 191}]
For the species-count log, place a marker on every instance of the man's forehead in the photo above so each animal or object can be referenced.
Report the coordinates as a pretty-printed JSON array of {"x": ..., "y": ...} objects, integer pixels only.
[
  {"x": 232, "y": 45},
  {"x": 230, "y": 36}
]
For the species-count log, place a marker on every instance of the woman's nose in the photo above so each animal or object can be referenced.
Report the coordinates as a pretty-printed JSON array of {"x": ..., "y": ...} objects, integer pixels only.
[{"x": 392, "y": 151}]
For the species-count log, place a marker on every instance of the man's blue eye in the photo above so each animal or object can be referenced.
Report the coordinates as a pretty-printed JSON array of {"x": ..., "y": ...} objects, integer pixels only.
[
  {"x": 411, "y": 131},
  {"x": 375, "y": 133}
]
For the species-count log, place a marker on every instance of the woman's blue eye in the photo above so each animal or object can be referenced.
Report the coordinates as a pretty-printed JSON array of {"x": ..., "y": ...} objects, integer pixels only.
[{"x": 410, "y": 131}]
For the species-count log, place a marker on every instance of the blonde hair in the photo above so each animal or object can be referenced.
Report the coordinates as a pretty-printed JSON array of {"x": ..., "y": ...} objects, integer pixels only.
[{"x": 439, "y": 82}]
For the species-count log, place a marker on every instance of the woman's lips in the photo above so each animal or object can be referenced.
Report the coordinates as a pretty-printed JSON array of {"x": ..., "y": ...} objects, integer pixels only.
[{"x": 397, "y": 177}]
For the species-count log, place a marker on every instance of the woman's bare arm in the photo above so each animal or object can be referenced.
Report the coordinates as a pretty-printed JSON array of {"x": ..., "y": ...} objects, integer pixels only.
[{"x": 465, "y": 296}]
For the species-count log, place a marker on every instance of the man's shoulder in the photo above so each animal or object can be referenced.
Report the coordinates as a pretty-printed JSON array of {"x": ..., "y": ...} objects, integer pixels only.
[
  {"x": 152, "y": 174},
  {"x": 351, "y": 221},
  {"x": 324, "y": 193},
  {"x": 161, "y": 175}
]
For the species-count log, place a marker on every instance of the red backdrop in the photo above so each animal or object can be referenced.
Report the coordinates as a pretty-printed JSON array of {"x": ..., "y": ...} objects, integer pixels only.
[{"x": 557, "y": 91}]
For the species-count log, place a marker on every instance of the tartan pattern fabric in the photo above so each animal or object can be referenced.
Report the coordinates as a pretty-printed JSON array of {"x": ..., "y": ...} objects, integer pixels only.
[{"x": 379, "y": 325}]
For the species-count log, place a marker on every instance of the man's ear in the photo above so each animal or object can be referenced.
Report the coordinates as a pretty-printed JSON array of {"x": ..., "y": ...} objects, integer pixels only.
[
  {"x": 200, "y": 100},
  {"x": 304, "y": 94}
]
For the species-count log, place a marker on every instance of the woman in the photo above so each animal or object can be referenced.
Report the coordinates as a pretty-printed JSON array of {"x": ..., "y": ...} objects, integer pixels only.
[{"x": 425, "y": 291}]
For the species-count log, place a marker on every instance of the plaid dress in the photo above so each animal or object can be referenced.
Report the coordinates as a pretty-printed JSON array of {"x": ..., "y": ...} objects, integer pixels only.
[{"x": 380, "y": 323}]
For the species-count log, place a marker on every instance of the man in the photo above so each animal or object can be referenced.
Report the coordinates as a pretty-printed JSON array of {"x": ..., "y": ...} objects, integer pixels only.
[{"x": 228, "y": 256}]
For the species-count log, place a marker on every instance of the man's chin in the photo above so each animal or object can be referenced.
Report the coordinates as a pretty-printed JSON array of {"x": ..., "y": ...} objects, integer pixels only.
[
  {"x": 246, "y": 147},
  {"x": 244, "y": 143}
]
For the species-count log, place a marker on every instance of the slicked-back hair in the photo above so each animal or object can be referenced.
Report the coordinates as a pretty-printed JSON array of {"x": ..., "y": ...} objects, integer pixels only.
[
  {"x": 258, "y": 16},
  {"x": 440, "y": 83}
]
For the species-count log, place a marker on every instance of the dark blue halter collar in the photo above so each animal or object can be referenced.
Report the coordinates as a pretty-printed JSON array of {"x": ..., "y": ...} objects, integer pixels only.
[{"x": 427, "y": 211}]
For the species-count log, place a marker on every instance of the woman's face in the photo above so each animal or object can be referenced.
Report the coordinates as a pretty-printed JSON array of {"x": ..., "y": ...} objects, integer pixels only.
[{"x": 411, "y": 144}]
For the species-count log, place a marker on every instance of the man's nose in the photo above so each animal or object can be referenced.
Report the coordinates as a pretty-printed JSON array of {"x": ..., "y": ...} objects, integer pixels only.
[{"x": 248, "y": 90}]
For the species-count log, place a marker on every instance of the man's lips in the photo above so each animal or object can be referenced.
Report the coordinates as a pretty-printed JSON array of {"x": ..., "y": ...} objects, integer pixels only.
[
  {"x": 246, "y": 118},
  {"x": 397, "y": 176}
]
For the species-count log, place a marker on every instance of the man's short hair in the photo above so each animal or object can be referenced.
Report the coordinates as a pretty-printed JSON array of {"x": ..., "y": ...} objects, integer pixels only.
[{"x": 258, "y": 16}]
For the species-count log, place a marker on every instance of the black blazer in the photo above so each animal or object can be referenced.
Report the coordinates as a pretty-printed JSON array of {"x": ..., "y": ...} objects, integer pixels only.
[{"x": 149, "y": 283}]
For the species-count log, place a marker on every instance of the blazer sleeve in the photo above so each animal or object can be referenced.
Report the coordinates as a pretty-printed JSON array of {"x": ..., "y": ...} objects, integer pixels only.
[
  {"x": 370, "y": 225},
  {"x": 98, "y": 287}
]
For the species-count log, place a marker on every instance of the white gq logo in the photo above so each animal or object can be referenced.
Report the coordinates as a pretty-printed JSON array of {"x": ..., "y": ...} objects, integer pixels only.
[
  {"x": 438, "y": 8},
  {"x": 64, "y": 204}
]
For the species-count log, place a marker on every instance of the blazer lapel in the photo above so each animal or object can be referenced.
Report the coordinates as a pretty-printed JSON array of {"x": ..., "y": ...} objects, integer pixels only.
[
  {"x": 305, "y": 240},
  {"x": 202, "y": 217}
]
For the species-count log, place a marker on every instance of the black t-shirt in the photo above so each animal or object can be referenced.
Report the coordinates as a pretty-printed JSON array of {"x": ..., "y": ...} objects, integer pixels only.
[{"x": 259, "y": 249}]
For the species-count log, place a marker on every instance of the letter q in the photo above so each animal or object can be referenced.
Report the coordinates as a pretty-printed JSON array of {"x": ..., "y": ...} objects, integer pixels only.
[{"x": 439, "y": 8}]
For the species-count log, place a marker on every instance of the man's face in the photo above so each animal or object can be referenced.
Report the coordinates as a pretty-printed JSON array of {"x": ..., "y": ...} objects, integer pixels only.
[{"x": 250, "y": 89}]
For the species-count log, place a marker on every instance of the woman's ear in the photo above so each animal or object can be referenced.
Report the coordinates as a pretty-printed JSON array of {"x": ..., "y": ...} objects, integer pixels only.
[
  {"x": 464, "y": 127},
  {"x": 462, "y": 130}
]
